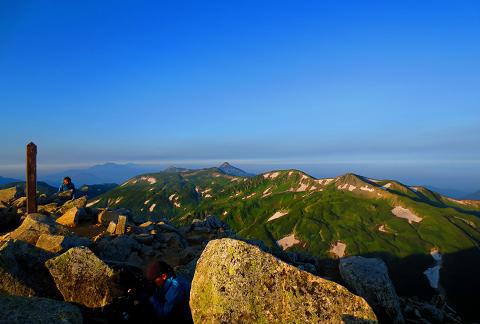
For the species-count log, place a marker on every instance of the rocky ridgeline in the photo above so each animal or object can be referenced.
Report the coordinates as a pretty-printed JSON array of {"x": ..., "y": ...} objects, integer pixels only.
[{"x": 71, "y": 263}]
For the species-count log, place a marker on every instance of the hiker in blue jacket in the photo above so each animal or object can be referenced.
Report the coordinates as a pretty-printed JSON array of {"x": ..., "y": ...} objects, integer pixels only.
[
  {"x": 171, "y": 295},
  {"x": 67, "y": 185}
]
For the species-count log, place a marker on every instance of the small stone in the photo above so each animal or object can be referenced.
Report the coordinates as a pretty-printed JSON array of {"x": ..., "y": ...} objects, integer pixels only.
[
  {"x": 144, "y": 238},
  {"x": 122, "y": 222},
  {"x": 111, "y": 227}
]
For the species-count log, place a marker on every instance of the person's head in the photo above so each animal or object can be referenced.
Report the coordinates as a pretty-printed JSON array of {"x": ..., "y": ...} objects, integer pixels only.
[
  {"x": 67, "y": 180},
  {"x": 158, "y": 272}
]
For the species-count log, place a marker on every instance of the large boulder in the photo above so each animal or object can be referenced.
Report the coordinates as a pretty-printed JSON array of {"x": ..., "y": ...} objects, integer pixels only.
[
  {"x": 368, "y": 277},
  {"x": 15, "y": 309},
  {"x": 236, "y": 282},
  {"x": 83, "y": 278},
  {"x": 63, "y": 196},
  {"x": 35, "y": 225},
  {"x": 48, "y": 209},
  {"x": 22, "y": 270},
  {"x": 78, "y": 203},
  {"x": 10, "y": 194},
  {"x": 71, "y": 217},
  {"x": 61, "y": 243}
]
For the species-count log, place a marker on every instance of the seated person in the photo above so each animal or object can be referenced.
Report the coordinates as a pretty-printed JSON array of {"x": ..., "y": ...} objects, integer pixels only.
[
  {"x": 171, "y": 295},
  {"x": 66, "y": 186}
]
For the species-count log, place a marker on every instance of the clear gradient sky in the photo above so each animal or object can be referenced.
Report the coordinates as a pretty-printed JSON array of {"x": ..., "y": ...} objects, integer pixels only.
[{"x": 383, "y": 88}]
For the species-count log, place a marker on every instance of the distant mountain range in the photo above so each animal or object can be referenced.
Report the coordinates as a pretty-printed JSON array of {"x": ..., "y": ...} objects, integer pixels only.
[
  {"x": 7, "y": 180},
  {"x": 119, "y": 173},
  {"x": 42, "y": 187},
  {"x": 473, "y": 196},
  {"x": 98, "y": 174},
  {"x": 229, "y": 169}
]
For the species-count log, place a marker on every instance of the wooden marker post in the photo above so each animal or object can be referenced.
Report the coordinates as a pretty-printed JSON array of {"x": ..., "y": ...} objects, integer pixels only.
[{"x": 31, "y": 179}]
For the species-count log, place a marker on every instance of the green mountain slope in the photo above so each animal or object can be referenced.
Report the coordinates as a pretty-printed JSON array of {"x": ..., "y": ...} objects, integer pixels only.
[{"x": 354, "y": 210}]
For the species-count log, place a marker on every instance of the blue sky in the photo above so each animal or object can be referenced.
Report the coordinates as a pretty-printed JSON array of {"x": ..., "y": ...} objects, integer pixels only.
[{"x": 383, "y": 88}]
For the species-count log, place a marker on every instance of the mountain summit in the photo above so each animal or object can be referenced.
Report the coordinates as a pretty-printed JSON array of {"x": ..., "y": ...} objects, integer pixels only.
[{"x": 229, "y": 169}]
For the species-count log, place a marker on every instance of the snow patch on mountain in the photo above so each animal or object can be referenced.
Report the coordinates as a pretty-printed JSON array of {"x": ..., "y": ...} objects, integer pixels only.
[
  {"x": 93, "y": 203},
  {"x": 367, "y": 188},
  {"x": 406, "y": 214},
  {"x": 278, "y": 214},
  {"x": 271, "y": 175},
  {"x": 338, "y": 249},
  {"x": 249, "y": 196},
  {"x": 433, "y": 273},
  {"x": 150, "y": 180},
  {"x": 324, "y": 182},
  {"x": 387, "y": 186},
  {"x": 267, "y": 192},
  {"x": 288, "y": 241}
]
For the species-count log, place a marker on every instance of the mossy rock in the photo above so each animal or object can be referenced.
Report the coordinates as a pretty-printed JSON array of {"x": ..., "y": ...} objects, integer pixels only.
[{"x": 236, "y": 282}]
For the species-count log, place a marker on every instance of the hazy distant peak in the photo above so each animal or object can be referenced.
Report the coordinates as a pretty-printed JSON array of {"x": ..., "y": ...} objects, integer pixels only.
[{"x": 229, "y": 169}]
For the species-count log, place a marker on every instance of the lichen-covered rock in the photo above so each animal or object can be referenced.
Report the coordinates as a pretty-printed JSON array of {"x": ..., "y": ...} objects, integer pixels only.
[
  {"x": 70, "y": 218},
  {"x": 22, "y": 270},
  {"x": 48, "y": 209},
  {"x": 236, "y": 282},
  {"x": 78, "y": 203},
  {"x": 60, "y": 243},
  {"x": 83, "y": 278},
  {"x": 368, "y": 277},
  {"x": 15, "y": 309},
  {"x": 35, "y": 225}
]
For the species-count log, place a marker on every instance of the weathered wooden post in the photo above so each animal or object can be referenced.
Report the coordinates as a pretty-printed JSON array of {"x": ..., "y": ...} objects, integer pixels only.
[{"x": 31, "y": 179}]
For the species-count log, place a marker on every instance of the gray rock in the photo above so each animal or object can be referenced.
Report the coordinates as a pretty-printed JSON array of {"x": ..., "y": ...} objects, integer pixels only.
[
  {"x": 78, "y": 203},
  {"x": 111, "y": 227},
  {"x": 211, "y": 222},
  {"x": 117, "y": 249},
  {"x": 33, "y": 310},
  {"x": 236, "y": 282},
  {"x": 83, "y": 278},
  {"x": 35, "y": 225},
  {"x": 20, "y": 202},
  {"x": 121, "y": 225},
  {"x": 60, "y": 243},
  {"x": 71, "y": 217},
  {"x": 22, "y": 270},
  {"x": 368, "y": 277},
  {"x": 10, "y": 194}
]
